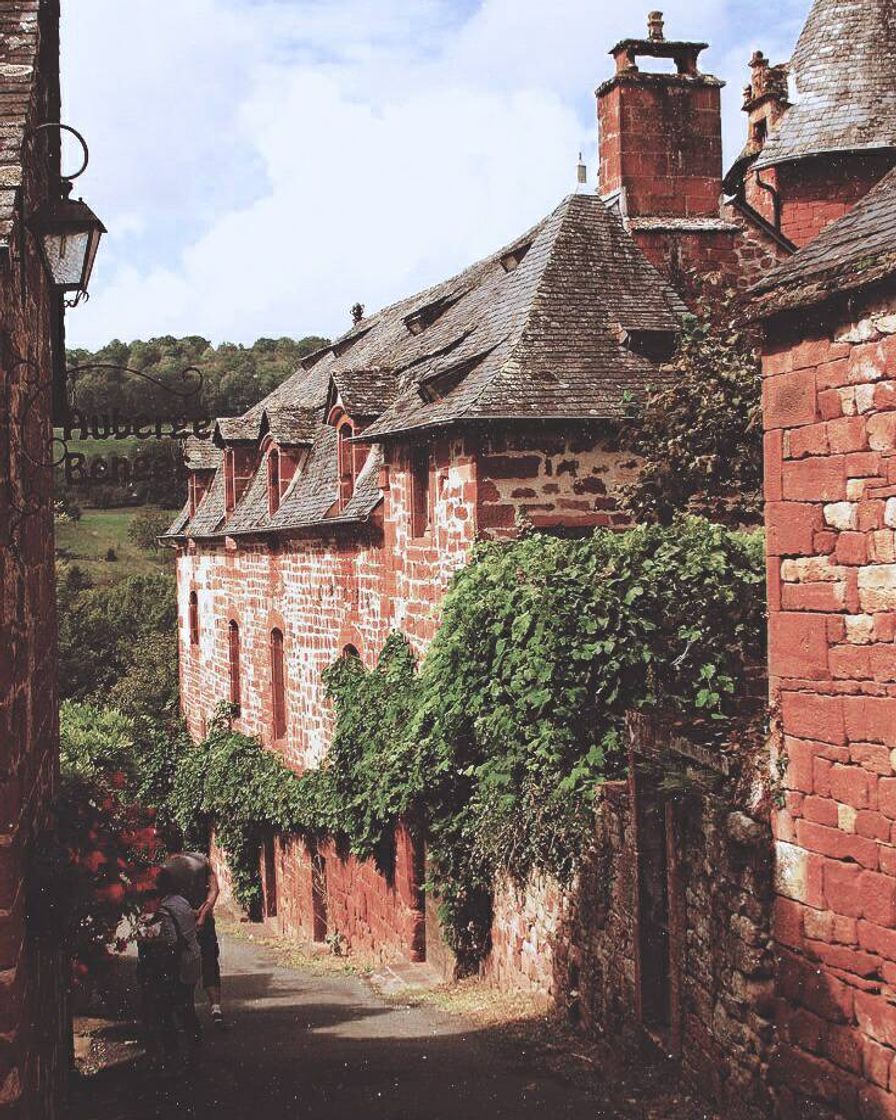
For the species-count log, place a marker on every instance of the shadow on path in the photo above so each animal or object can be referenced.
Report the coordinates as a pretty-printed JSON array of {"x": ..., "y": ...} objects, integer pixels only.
[{"x": 325, "y": 1047}]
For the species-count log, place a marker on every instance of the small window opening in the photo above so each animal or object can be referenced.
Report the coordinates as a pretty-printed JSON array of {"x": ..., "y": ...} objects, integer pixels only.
[
  {"x": 760, "y": 131},
  {"x": 273, "y": 481},
  {"x": 351, "y": 651},
  {"x": 420, "y": 492},
  {"x": 278, "y": 684},
  {"x": 194, "y": 619},
  {"x": 233, "y": 647}
]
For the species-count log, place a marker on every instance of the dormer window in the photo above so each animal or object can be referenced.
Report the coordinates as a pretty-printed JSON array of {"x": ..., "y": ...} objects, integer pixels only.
[
  {"x": 273, "y": 481},
  {"x": 229, "y": 481},
  {"x": 347, "y": 463},
  {"x": 512, "y": 259},
  {"x": 424, "y": 317}
]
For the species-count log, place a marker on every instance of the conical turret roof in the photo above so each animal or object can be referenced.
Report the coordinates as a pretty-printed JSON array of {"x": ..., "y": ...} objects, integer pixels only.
[{"x": 842, "y": 81}]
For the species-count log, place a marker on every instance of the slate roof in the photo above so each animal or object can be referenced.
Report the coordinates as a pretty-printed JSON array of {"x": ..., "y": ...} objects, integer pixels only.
[
  {"x": 201, "y": 454},
  {"x": 19, "y": 42},
  {"x": 842, "y": 82},
  {"x": 539, "y": 330},
  {"x": 857, "y": 250}
]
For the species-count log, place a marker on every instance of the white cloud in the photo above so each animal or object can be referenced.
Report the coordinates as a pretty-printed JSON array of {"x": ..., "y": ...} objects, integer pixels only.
[{"x": 262, "y": 165}]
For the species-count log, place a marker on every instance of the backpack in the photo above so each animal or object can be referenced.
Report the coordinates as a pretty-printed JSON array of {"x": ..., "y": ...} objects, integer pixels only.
[
  {"x": 158, "y": 962},
  {"x": 188, "y": 961}
]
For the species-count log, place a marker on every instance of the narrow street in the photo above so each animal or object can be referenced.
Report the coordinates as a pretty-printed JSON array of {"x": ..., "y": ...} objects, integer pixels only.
[{"x": 327, "y": 1047}]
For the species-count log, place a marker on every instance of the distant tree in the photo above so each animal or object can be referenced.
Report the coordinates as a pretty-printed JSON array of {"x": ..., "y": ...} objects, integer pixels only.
[
  {"x": 100, "y": 628},
  {"x": 146, "y": 527},
  {"x": 234, "y": 376}
]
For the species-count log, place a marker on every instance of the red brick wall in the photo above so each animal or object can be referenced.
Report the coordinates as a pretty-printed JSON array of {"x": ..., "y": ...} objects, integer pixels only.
[
  {"x": 815, "y": 192},
  {"x": 32, "y": 1001},
  {"x": 380, "y": 917},
  {"x": 661, "y": 141},
  {"x": 325, "y": 591},
  {"x": 830, "y": 418}
]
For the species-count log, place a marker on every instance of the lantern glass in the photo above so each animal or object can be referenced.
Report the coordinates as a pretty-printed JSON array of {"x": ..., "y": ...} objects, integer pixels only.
[{"x": 69, "y": 234}]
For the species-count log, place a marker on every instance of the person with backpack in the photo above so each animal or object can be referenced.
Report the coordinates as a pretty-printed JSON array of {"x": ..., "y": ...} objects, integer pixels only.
[
  {"x": 169, "y": 966},
  {"x": 195, "y": 879}
]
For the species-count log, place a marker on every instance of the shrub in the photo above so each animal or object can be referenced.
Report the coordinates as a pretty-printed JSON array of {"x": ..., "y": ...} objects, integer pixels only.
[{"x": 700, "y": 432}]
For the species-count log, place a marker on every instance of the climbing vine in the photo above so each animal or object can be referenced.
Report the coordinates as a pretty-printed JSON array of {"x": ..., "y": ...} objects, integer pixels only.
[{"x": 495, "y": 747}]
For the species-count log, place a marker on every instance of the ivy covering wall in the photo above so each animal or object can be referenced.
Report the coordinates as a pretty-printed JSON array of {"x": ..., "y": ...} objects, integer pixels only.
[{"x": 494, "y": 748}]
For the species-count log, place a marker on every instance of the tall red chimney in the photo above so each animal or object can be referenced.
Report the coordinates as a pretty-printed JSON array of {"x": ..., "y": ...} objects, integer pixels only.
[{"x": 660, "y": 133}]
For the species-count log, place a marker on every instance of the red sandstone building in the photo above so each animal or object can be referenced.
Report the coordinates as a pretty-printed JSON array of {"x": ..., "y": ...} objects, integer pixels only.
[
  {"x": 337, "y": 509},
  {"x": 830, "y": 418}
]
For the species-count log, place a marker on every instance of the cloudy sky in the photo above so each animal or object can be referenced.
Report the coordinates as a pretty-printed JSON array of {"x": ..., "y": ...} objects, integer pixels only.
[{"x": 263, "y": 164}]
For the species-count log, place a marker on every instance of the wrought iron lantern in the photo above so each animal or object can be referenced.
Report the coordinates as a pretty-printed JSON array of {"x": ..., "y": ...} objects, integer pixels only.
[{"x": 68, "y": 233}]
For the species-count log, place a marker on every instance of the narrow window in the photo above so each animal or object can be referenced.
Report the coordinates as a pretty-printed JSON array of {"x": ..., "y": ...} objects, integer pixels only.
[
  {"x": 194, "y": 619},
  {"x": 233, "y": 648},
  {"x": 346, "y": 464},
  {"x": 350, "y": 652},
  {"x": 229, "y": 481},
  {"x": 278, "y": 684},
  {"x": 273, "y": 481},
  {"x": 420, "y": 511}
]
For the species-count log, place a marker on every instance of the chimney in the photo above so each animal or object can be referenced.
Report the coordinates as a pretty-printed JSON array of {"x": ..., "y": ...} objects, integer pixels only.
[
  {"x": 765, "y": 99},
  {"x": 660, "y": 132}
]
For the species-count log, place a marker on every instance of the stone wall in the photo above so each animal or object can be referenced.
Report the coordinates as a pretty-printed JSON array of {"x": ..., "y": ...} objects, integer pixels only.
[
  {"x": 830, "y": 417},
  {"x": 33, "y": 1029},
  {"x": 570, "y": 480},
  {"x": 581, "y": 948}
]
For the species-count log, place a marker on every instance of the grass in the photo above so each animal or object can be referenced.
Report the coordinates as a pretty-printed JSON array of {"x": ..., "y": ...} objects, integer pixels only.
[{"x": 87, "y": 541}]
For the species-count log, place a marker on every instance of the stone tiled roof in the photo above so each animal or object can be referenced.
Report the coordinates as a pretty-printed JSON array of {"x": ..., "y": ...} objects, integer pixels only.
[
  {"x": 19, "y": 41},
  {"x": 843, "y": 83},
  {"x": 539, "y": 330},
  {"x": 857, "y": 250},
  {"x": 201, "y": 454},
  {"x": 291, "y": 426}
]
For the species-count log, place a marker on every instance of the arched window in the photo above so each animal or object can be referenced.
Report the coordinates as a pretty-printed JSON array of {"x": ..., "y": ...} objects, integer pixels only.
[
  {"x": 278, "y": 684},
  {"x": 351, "y": 651},
  {"x": 273, "y": 481},
  {"x": 233, "y": 651},
  {"x": 194, "y": 619}
]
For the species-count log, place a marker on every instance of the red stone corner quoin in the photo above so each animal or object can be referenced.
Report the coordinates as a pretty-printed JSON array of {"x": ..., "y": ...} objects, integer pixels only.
[{"x": 829, "y": 371}]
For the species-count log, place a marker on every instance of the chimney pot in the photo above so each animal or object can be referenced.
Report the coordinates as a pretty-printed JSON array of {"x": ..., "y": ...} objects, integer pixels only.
[{"x": 655, "y": 24}]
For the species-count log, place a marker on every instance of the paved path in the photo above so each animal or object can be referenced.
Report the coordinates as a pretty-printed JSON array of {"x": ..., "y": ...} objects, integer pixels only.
[{"x": 326, "y": 1047}]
